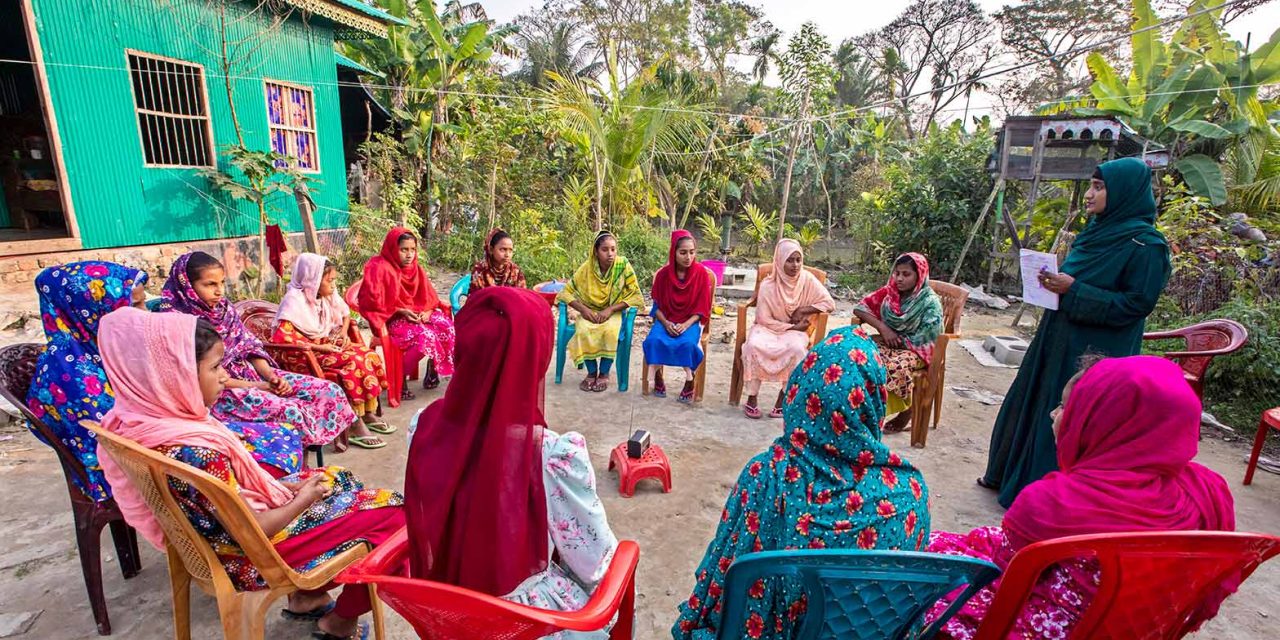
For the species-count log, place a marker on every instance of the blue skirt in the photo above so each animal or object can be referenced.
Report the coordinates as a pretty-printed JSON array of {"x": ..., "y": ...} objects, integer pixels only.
[{"x": 684, "y": 350}]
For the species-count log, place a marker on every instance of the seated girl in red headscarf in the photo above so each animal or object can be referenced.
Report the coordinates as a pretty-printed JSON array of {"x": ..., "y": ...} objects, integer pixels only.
[
  {"x": 166, "y": 370},
  {"x": 681, "y": 311},
  {"x": 396, "y": 296},
  {"x": 497, "y": 269},
  {"x": 491, "y": 492},
  {"x": 1127, "y": 432}
]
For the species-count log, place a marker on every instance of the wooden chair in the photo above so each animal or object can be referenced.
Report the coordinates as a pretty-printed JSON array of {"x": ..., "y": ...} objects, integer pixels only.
[
  {"x": 1204, "y": 341},
  {"x": 17, "y": 368},
  {"x": 699, "y": 376},
  {"x": 926, "y": 394},
  {"x": 191, "y": 558},
  {"x": 817, "y": 329}
]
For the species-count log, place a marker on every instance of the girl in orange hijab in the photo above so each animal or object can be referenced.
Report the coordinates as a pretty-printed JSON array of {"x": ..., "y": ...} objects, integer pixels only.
[{"x": 396, "y": 296}]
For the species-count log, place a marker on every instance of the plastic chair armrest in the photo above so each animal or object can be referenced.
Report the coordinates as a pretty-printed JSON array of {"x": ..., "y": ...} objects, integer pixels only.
[
  {"x": 1164, "y": 335},
  {"x": 608, "y": 595}
]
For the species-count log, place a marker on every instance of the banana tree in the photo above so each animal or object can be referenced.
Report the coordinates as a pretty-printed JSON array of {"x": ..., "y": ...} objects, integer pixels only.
[{"x": 1197, "y": 93}]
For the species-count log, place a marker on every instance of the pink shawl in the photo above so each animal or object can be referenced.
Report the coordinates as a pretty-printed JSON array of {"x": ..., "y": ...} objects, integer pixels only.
[
  {"x": 150, "y": 359},
  {"x": 313, "y": 317},
  {"x": 780, "y": 295},
  {"x": 1129, "y": 432}
]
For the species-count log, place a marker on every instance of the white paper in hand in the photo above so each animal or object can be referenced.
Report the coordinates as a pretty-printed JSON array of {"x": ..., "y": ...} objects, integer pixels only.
[{"x": 1033, "y": 262}]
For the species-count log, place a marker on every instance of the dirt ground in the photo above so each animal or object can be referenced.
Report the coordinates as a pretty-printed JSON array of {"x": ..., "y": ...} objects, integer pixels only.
[{"x": 707, "y": 445}]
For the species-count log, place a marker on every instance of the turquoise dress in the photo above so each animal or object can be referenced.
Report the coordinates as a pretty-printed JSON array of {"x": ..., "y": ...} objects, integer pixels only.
[
  {"x": 1120, "y": 263},
  {"x": 828, "y": 482}
]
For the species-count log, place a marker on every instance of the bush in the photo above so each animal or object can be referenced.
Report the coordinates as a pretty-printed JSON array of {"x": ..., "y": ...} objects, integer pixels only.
[{"x": 1240, "y": 386}]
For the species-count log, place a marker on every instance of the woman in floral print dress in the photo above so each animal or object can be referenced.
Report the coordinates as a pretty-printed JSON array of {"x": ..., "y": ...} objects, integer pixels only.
[
  {"x": 313, "y": 314},
  {"x": 1126, "y": 433},
  {"x": 167, "y": 371},
  {"x": 485, "y": 473},
  {"x": 70, "y": 386},
  {"x": 828, "y": 482},
  {"x": 257, "y": 390}
]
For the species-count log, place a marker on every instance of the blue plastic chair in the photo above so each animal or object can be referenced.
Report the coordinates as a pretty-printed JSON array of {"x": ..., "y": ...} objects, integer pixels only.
[
  {"x": 858, "y": 594},
  {"x": 565, "y": 330},
  {"x": 154, "y": 304},
  {"x": 460, "y": 288}
]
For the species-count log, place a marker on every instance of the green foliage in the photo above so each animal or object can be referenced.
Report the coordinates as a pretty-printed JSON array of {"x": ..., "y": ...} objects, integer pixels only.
[
  {"x": 709, "y": 229},
  {"x": 809, "y": 234},
  {"x": 758, "y": 228},
  {"x": 934, "y": 195}
]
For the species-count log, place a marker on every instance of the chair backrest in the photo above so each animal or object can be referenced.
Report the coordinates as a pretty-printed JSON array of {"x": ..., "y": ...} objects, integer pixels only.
[
  {"x": 259, "y": 317},
  {"x": 149, "y": 472},
  {"x": 154, "y": 304},
  {"x": 765, "y": 270},
  {"x": 352, "y": 296},
  {"x": 1205, "y": 341},
  {"x": 1151, "y": 582},
  {"x": 438, "y": 610},
  {"x": 953, "y": 299},
  {"x": 460, "y": 288},
  {"x": 17, "y": 370},
  {"x": 857, "y": 594}
]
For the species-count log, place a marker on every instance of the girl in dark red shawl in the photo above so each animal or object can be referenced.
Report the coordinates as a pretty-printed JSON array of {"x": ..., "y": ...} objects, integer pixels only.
[
  {"x": 490, "y": 492},
  {"x": 681, "y": 311},
  {"x": 497, "y": 269},
  {"x": 1127, "y": 431},
  {"x": 396, "y": 296}
]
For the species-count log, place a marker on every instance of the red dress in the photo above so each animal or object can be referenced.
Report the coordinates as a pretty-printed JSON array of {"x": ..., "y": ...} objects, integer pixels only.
[{"x": 357, "y": 368}]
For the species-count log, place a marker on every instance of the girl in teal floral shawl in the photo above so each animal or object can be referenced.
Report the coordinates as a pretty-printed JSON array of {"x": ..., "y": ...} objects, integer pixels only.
[
  {"x": 908, "y": 316},
  {"x": 828, "y": 482}
]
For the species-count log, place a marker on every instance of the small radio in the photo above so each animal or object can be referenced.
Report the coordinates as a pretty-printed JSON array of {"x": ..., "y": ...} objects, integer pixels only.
[{"x": 638, "y": 443}]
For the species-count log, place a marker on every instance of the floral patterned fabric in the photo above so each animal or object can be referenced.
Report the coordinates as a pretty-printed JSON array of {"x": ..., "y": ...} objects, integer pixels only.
[
  {"x": 432, "y": 339},
  {"x": 274, "y": 445},
  {"x": 828, "y": 482},
  {"x": 900, "y": 365},
  {"x": 317, "y": 407},
  {"x": 357, "y": 368},
  {"x": 69, "y": 384},
  {"x": 579, "y": 531},
  {"x": 349, "y": 496},
  {"x": 1056, "y": 604}
]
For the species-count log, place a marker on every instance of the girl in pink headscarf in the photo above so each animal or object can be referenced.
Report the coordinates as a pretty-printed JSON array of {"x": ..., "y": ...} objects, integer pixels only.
[
  {"x": 1126, "y": 439},
  {"x": 788, "y": 300},
  {"x": 312, "y": 314},
  {"x": 167, "y": 371}
]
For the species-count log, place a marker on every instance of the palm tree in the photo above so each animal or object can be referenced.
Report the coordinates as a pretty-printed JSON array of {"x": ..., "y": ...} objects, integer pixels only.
[
  {"x": 763, "y": 48},
  {"x": 622, "y": 129},
  {"x": 560, "y": 47},
  {"x": 857, "y": 82}
]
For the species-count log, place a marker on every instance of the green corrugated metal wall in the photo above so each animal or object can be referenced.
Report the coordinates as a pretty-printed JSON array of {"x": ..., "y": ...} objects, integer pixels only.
[{"x": 119, "y": 201}]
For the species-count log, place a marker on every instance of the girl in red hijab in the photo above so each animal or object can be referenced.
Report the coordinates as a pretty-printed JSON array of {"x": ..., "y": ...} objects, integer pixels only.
[
  {"x": 1127, "y": 431},
  {"x": 490, "y": 492},
  {"x": 681, "y": 311},
  {"x": 396, "y": 296}
]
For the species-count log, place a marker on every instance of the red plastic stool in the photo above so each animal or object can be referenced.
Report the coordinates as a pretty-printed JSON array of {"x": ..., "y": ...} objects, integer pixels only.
[
  {"x": 653, "y": 464},
  {"x": 1270, "y": 420}
]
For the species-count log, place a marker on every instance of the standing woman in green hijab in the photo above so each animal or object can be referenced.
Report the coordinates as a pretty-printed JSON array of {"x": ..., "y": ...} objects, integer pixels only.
[{"x": 1108, "y": 285}]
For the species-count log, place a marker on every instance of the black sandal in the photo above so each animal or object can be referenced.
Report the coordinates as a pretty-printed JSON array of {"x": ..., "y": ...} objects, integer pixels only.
[
  {"x": 362, "y": 633},
  {"x": 982, "y": 482},
  {"x": 308, "y": 616}
]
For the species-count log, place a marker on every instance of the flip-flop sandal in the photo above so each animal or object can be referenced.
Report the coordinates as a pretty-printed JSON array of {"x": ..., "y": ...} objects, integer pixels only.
[
  {"x": 362, "y": 633},
  {"x": 587, "y": 384},
  {"x": 309, "y": 616},
  {"x": 686, "y": 395},
  {"x": 405, "y": 394},
  {"x": 380, "y": 427},
  {"x": 659, "y": 390},
  {"x": 601, "y": 385},
  {"x": 367, "y": 442},
  {"x": 751, "y": 412},
  {"x": 776, "y": 412}
]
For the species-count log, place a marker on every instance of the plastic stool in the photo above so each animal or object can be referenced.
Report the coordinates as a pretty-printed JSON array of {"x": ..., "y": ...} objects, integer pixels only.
[
  {"x": 1270, "y": 420},
  {"x": 653, "y": 464}
]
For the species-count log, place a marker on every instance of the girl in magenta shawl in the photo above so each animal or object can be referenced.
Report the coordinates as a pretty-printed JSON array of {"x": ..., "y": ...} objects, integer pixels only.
[
  {"x": 681, "y": 312},
  {"x": 1126, "y": 439}
]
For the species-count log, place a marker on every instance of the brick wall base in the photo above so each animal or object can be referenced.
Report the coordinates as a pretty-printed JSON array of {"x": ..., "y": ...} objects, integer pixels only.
[{"x": 18, "y": 299}]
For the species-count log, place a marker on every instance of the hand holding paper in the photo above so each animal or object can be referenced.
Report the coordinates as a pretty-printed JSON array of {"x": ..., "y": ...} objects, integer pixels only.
[{"x": 1033, "y": 264}]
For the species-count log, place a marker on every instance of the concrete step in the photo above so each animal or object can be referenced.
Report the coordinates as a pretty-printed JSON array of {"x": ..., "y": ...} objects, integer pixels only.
[{"x": 1007, "y": 349}]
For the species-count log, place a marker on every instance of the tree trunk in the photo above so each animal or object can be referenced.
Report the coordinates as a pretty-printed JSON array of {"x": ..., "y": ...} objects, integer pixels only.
[
  {"x": 262, "y": 248},
  {"x": 693, "y": 189},
  {"x": 493, "y": 196},
  {"x": 306, "y": 209},
  {"x": 786, "y": 184},
  {"x": 599, "y": 169}
]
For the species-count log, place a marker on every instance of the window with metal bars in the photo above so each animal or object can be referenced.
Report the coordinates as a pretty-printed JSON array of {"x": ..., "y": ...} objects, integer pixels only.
[
  {"x": 291, "y": 118},
  {"x": 173, "y": 112}
]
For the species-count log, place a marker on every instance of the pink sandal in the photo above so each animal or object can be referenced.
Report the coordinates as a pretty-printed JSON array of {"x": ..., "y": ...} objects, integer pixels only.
[
  {"x": 751, "y": 412},
  {"x": 776, "y": 413}
]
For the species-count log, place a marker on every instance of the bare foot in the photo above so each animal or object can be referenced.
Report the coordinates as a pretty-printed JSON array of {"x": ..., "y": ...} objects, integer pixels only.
[
  {"x": 899, "y": 423},
  {"x": 336, "y": 625}
]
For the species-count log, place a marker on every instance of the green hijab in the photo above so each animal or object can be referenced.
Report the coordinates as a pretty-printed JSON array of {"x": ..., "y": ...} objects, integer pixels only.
[{"x": 1130, "y": 216}]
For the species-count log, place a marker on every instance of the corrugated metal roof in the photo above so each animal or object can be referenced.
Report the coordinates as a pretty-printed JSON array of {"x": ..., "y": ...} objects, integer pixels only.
[
  {"x": 357, "y": 19},
  {"x": 343, "y": 61},
  {"x": 371, "y": 11}
]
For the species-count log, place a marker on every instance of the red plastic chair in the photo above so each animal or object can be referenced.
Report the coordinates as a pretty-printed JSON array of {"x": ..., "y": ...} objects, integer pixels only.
[
  {"x": 440, "y": 611},
  {"x": 392, "y": 357},
  {"x": 1151, "y": 582},
  {"x": 1270, "y": 420},
  {"x": 1204, "y": 342}
]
